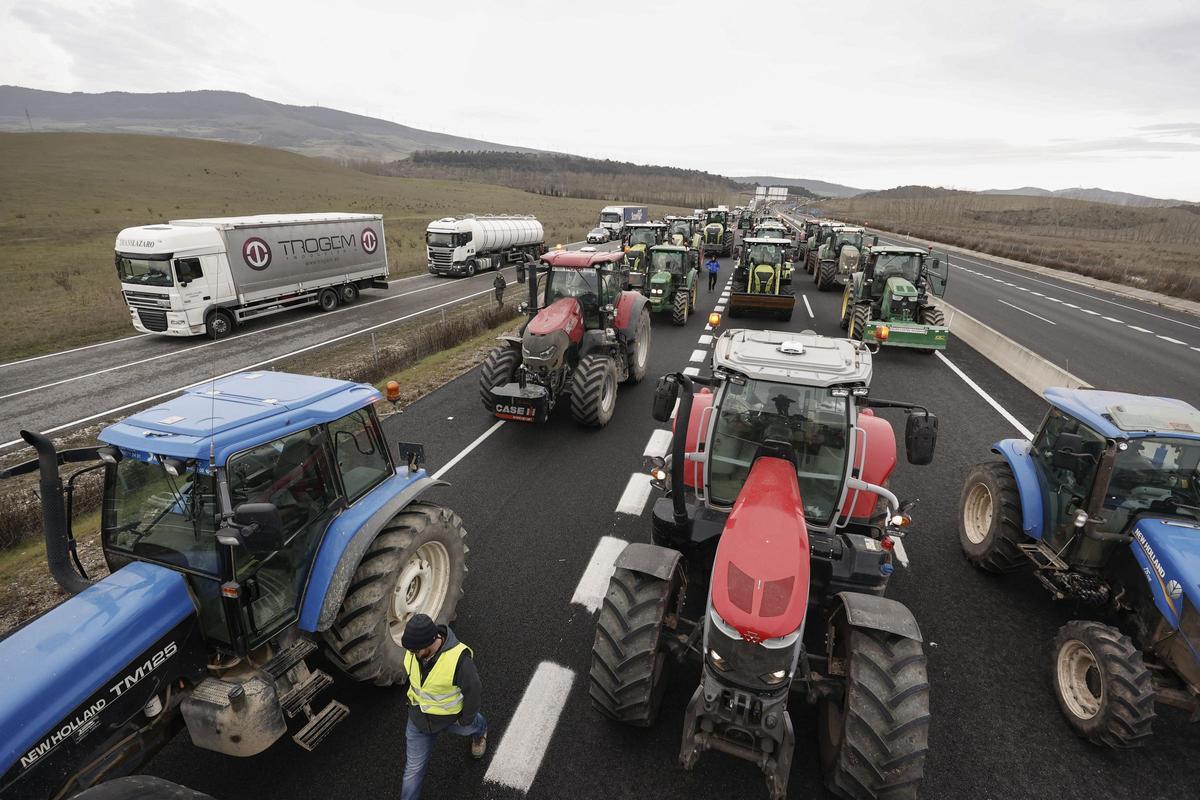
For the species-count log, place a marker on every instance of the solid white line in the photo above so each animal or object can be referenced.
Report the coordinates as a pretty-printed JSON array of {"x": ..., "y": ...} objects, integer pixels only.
[
  {"x": 1030, "y": 313},
  {"x": 691, "y": 371},
  {"x": 463, "y": 453},
  {"x": 531, "y": 727},
  {"x": 74, "y": 350},
  {"x": 1136, "y": 328},
  {"x": 637, "y": 492},
  {"x": 594, "y": 583},
  {"x": 705, "y": 338},
  {"x": 246, "y": 368},
  {"x": 1028, "y": 434},
  {"x": 1169, "y": 339},
  {"x": 808, "y": 307},
  {"x": 698, "y": 355},
  {"x": 660, "y": 440}
]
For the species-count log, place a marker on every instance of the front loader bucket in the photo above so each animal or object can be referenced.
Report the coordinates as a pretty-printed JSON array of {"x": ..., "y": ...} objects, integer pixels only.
[
  {"x": 912, "y": 335},
  {"x": 750, "y": 302}
]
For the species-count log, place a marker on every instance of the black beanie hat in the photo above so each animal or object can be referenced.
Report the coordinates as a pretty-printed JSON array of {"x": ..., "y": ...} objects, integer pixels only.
[{"x": 419, "y": 633}]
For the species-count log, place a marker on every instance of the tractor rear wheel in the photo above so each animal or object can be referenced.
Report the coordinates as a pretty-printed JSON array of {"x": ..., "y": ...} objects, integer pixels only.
[
  {"x": 629, "y": 655},
  {"x": 859, "y": 318},
  {"x": 594, "y": 391},
  {"x": 498, "y": 369},
  {"x": 639, "y": 351},
  {"x": 873, "y": 738},
  {"x": 844, "y": 322},
  {"x": 931, "y": 315},
  {"x": 1103, "y": 686},
  {"x": 695, "y": 290},
  {"x": 990, "y": 522},
  {"x": 727, "y": 243},
  {"x": 827, "y": 276},
  {"x": 415, "y": 565},
  {"x": 679, "y": 307}
]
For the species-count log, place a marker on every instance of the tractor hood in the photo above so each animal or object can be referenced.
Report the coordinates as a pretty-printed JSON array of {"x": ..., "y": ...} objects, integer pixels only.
[
  {"x": 898, "y": 287},
  {"x": 661, "y": 279},
  {"x": 548, "y": 335},
  {"x": 1168, "y": 551},
  {"x": 848, "y": 260}
]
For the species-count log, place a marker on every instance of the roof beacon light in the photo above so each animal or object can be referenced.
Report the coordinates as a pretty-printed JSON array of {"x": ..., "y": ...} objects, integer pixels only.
[
  {"x": 714, "y": 319},
  {"x": 393, "y": 391},
  {"x": 881, "y": 333}
]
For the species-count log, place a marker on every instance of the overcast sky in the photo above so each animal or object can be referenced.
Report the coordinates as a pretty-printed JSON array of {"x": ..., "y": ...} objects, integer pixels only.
[{"x": 1052, "y": 93}]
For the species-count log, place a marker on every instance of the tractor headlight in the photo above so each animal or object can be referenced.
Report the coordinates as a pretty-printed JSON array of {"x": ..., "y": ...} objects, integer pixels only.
[
  {"x": 715, "y": 659},
  {"x": 655, "y": 292},
  {"x": 774, "y": 678}
]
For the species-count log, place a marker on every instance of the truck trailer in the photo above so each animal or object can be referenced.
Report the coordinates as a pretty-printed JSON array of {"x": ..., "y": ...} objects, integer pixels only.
[
  {"x": 615, "y": 218},
  {"x": 193, "y": 276},
  {"x": 468, "y": 244}
]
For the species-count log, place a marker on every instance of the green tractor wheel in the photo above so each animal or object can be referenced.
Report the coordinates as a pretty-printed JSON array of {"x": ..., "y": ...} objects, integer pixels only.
[
  {"x": 679, "y": 307},
  {"x": 844, "y": 321},
  {"x": 931, "y": 315},
  {"x": 859, "y": 319}
]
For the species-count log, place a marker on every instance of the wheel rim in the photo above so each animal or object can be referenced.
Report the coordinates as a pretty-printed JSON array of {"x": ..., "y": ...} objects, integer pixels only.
[
  {"x": 328, "y": 300},
  {"x": 421, "y": 588},
  {"x": 642, "y": 346},
  {"x": 1079, "y": 680},
  {"x": 609, "y": 394},
  {"x": 220, "y": 325},
  {"x": 977, "y": 513}
]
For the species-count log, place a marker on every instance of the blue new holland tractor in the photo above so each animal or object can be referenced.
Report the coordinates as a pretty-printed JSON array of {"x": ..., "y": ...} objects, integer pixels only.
[
  {"x": 244, "y": 524},
  {"x": 1104, "y": 506}
]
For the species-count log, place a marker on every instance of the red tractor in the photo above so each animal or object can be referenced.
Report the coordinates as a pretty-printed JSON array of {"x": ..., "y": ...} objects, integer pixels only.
[
  {"x": 776, "y": 504},
  {"x": 586, "y": 336}
]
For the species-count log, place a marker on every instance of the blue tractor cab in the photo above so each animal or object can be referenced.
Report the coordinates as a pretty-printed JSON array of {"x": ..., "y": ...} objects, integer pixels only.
[
  {"x": 1104, "y": 505},
  {"x": 244, "y": 524}
]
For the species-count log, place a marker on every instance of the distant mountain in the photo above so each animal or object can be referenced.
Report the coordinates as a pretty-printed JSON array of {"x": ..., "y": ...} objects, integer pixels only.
[
  {"x": 913, "y": 193},
  {"x": 817, "y": 188},
  {"x": 1094, "y": 195},
  {"x": 228, "y": 117}
]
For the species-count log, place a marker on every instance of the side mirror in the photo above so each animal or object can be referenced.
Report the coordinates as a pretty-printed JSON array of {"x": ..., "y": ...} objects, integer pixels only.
[
  {"x": 666, "y": 392},
  {"x": 920, "y": 438},
  {"x": 523, "y": 307},
  {"x": 1068, "y": 448},
  {"x": 260, "y": 527}
]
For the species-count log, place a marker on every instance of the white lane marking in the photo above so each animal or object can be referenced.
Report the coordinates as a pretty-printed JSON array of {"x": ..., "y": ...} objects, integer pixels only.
[
  {"x": 1089, "y": 311},
  {"x": 74, "y": 350},
  {"x": 594, "y": 583},
  {"x": 708, "y": 327},
  {"x": 1169, "y": 339},
  {"x": 1114, "y": 319},
  {"x": 719, "y": 308},
  {"x": 463, "y": 453},
  {"x": 705, "y": 338},
  {"x": 637, "y": 492},
  {"x": 1070, "y": 305},
  {"x": 1028, "y": 434},
  {"x": 724, "y": 295},
  {"x": 1197, "y": 349},
  {"x": 1030, "y": 313},
  {"x": 660, "y": 440},
  {"x": 1021, "y": 288},
  {"x": 245, "y": 368},
  {"x": 698, "y": 355},
  {"x": 1039, "y": 294},
  {"x": 532, "y": 725},
  {"x": 1053, "y": 299},
  {"x": 691, "y": 371},
  {"x": 808, "y": 307},
  {"x": 1136, "y": 328}
]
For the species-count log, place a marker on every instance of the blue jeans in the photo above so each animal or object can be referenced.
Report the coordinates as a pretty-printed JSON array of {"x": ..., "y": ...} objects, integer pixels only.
[{"x": 419, "y": 747}]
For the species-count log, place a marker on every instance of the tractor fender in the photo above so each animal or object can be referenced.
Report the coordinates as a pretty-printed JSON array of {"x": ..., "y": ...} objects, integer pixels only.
[
  {"x": 629, "y": 307},
  {"x": 649, "y": 559},
  {"x": 1016, "y": 453},
  {"x": 879, "y": 614},
  {"x": 348, "y": 538},
  {"x": 593, "y": 342},
  {"x": 515, "y": 341}
]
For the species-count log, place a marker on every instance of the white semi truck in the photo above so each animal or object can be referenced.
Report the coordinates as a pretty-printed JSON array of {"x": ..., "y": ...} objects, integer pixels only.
[
  {"x": 192, "y": 276},
  {"x": 615, "y": 218},
  {"x": 469, "y": 244}
]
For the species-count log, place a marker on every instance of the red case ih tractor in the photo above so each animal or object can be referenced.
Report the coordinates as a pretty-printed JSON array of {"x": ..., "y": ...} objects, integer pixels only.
[
  {"x": 586, "y": 337},
  {"x": 776, "y": 500}
]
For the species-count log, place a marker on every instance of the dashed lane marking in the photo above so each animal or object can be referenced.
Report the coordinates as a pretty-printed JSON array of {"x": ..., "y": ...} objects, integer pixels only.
[
  {"x": 594, "y": 583},
  {"x": 698, "y": 355},
  {"x": 1114, "y": 319},
  {"x": 659, "y": 442},
  {"x": 1089, "y": 311},
  {"x": 691, "y": 372},
  {"x": 719, "y": 307},
  {"x": 808, "y": 307},
  {"x": 1140, "y": 330},
  {"x": 1028, "y": 434},
  {"x": 527, "y": 737},
  {"x": 1026, "y": 311},
  {"x": 1169, "y": 339},
  {"x": 637, "y": 492},
  {"x": 705, "y": 338}
]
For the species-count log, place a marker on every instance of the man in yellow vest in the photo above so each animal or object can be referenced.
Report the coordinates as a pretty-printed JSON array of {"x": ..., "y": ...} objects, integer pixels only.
[{"x": 443, "y": 695}]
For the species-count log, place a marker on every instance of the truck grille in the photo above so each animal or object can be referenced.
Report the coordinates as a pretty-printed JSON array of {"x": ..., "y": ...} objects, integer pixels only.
[
  {"x": 441, "y": 258},
  {"x": 153, "y": 320},
  {"x": 146, "y": 300}
]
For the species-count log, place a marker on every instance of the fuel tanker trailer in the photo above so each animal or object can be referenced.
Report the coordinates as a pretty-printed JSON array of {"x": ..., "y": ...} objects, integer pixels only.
[{"x": 468, "y": 244}]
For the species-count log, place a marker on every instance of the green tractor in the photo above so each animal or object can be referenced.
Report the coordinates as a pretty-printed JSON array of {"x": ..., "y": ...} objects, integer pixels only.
[
  {"x": 639, "y": 238},
  {"x": 889, "y": 301},
  {"x": 822, "y": 231},
  {"x": 838, "y": 257},
  {"x": 673, "y": 281},
  {"x": 762, "y": 279},
  {"x": 745, "y": 221},
  {"x": 718, "y": 236},
  {"x": 683, "y": 231}
]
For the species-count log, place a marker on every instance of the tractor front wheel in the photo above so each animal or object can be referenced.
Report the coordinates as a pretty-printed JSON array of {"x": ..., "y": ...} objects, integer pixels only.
[
  {"x": 679, "y": 307},
  {"x": 859, "y": 318},
  {"x": 1102, "y": 684},
  {"x": 415, "y": 565},
  {"x": 844, "y": 322},
  {"x": 990, "y": 522},
  {"x": 827, "y": 276},
  {"x": 594, "y": 391},
  {"x": 498, "y": 369},
  {"x": 639, "y": 348}
]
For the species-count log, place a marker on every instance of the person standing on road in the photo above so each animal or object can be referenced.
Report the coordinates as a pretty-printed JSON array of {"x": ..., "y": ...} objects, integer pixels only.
[
  {"x": 443, "y": 694},
  {"x": 714, "y": 267},
  {"x": 499, "y": 285}
]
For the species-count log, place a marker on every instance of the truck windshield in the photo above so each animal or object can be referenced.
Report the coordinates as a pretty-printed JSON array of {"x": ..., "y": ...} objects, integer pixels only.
[
  {"x": 610, "y": 216},
  {"x": 434, "y": 239},
  {"x": 1156, "y": 475},
  {"x": 144, "y": 271},
  {"x": 811, "y": 420},
  {"x": 153, "y": 515}
]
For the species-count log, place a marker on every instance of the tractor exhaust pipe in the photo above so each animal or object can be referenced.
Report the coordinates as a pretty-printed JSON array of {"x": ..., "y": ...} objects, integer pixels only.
[
  {"x": 679, "y": 450},
  {"x": 54, "y": 516},
  {"x": 532, "y": 281}
]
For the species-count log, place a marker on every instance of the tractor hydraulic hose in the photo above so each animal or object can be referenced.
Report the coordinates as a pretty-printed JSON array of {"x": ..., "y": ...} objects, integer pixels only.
[
  {"x": 683, "y": 419},
  {"x": 54, "y": 516}
]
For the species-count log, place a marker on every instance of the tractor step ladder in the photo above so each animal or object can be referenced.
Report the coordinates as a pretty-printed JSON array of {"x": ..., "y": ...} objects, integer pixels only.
[
  {"x": 289, "y": 657},
  {"x": 1043, "y": 557},
  {"x": 321, "y": 725},
  {"x": 301, "y": 694}
]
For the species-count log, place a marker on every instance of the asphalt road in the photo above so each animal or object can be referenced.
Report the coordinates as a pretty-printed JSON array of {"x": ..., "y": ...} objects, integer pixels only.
[{"x": 537, "y": 501}]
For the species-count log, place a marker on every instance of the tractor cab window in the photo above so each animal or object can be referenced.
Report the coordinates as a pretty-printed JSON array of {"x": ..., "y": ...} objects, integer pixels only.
[
  {"x": 360, "y": 452},
  {"x": 580, "y": 284},
  {"x": 715, "y": 216},
  {"x": 897, "y": 265},
  {"x": 681, "y": 229},
  {"x": 1067, "y": 454},
  {"x": 812, "y": 421},
  {"x": 764, "y": 254},
  {"x": 1156, "y": 475},
  {"x": 436, "y": 239},
  {"x": 646, "y": 236},
  {"x": 852, "y": 239},
  {"x": 668, "y": 260}
]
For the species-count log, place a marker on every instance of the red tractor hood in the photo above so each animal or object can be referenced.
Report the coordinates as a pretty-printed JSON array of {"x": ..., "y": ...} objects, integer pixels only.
[
  {"x": 761, "y": 573},
  {"x": 563, "y": 315}
]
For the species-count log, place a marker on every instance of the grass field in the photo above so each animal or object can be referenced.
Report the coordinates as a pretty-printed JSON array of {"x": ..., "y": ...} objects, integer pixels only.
[
  {"x": 66, "y": 195},
  {"x": 1149, "y": 248}
]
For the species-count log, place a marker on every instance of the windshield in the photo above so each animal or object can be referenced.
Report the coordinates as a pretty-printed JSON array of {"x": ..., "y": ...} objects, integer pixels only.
[
  {"x": 854, "y": 239},
  {"x": 811, "y": 420},
  {"x": 905, "y": 265},
  {"x": 579, "y": 283},
  {"x": 1157, "y": 475},
  {"x": 153, "y": 515},
  {"x": 646, "y": 236},
  {"x": 434, "y": 239},
  {"x": 670, "y": 260},
  {"x": 144, "y": 271},
  {"x": 610, "y": 216},
  {"x": 717, "y": 217},
  {"x": 682, "y": 228},
  {"x": 765, "y": 254}
]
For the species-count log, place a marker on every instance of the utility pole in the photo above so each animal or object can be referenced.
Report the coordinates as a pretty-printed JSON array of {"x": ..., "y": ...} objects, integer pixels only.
[{"x": 30, "y": 121}]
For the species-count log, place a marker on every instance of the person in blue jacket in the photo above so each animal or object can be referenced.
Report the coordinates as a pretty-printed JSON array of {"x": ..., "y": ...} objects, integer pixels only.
[{"x": 714, "y": 267}]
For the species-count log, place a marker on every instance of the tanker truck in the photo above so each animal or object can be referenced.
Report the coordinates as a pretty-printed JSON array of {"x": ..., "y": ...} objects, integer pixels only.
[
  {"x": 468, "y": 244},
  {"x": 193, "y": 276}
]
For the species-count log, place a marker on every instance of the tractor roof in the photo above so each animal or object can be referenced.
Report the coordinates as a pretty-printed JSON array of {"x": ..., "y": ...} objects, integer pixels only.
[
  {"x": 898, "y": 249},
  {"x": 237, "y": 412},
  {"x": 580, "y": 259},
  {"x": 1118, "y": 415},
  {"x": 766, "y": 240},
  {"x": 804, "y": 359},
  {"x": 673, "y": 248}
]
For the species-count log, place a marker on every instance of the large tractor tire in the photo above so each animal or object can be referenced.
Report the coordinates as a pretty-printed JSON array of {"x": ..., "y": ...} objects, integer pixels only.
[
  {"x": 873, "y": 738},
  {"x": 139, "y": 787},
  {"x": 639, "y": 352},
  {"x": 679, "y": 307},
  {"x": 692, "y": 294},
  {"x": 727, "y": 243},
  {"x": 594, "y": 391},
  {"x": 859, "y": 318},
  {"x": 498, "y": 369},
  {"x": 1102, "y": 684},
  {"x": 827, "y": 276},
  {"x": 415, "y": 565},
  {"x": 844, "y": 320},
  {"x": 810, "y": 260},
  {"x": 990, "y": 524},
  {"x": 629, "y": 655},
  {"x": 931, "y": 315}
]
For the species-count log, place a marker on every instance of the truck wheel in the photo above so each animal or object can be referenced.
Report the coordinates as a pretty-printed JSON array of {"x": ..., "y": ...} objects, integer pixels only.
[
  {"x": 679, "y": 307},
  {"x": 639, "y": 354},
  {"x": 219, "y": 324},
  {"x": 348, "y": 293},
  {"x": 472, "y": 268},
  {"x": 859, "y": 318},
  {"x": 1102, "y": 684},
  {"x": 827, "y": 276},
  {"x": 594, "y": 391},
  {"x": 628, "y": 655},
  {"x": 415, "y": 565},
  {"x": 327, "y": 299},
  {"x": 990, "y": 524},
  {"x": 498, "y": 369},
  {"x": 873, "y": 738}
]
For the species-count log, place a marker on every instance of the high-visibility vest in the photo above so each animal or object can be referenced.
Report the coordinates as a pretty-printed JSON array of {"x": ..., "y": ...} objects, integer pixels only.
[{"x": 436, "y": 694}]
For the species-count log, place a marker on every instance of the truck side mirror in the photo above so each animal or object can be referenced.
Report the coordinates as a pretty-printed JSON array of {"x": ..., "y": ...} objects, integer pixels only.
[
  {"x": 666, "y": 392},
  {"x": 259, "y": 527},
  {"x": 920, "y": 438}
]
